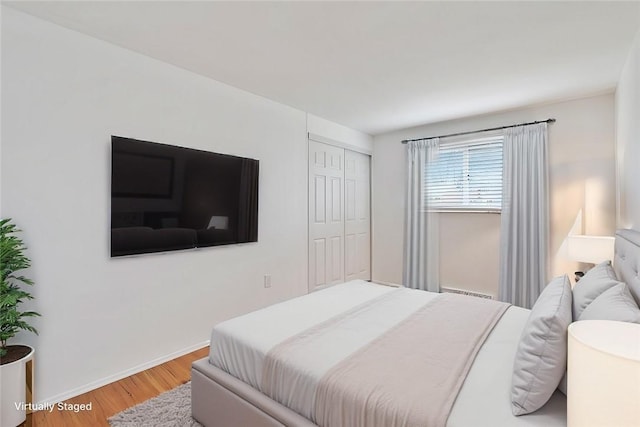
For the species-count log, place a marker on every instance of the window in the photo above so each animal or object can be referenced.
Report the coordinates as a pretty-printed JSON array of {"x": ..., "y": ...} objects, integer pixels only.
[{"x": 465, "y": 176}]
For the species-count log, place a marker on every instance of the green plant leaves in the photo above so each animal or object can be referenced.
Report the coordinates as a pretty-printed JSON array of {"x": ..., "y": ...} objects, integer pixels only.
[{"x": 12, "y": 260}]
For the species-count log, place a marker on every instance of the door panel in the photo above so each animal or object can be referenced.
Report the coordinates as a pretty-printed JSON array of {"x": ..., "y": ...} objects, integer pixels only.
[
  {"x": 337, "y": 260},
  {"x": 326, "y": 226},
  {"x": 320, "y": 196},
  {"x": 351, "y": 251},
  {"x": 336, "y": 200},
  {"x": 358, "y": 218},
  {"x": 320, "y": 254}
]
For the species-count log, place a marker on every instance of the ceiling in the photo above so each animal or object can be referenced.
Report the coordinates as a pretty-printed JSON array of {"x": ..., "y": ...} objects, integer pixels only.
[{"x": 376, "y": 66}]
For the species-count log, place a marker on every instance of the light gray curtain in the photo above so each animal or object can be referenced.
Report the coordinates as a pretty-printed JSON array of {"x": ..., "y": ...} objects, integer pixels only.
[
  {"x": 525, "y": 217},
  {"x": 421, "y": 270}
]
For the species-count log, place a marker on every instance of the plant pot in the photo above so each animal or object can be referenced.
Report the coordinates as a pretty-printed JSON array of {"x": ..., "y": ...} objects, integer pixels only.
[{"x": 13, "y": 389}]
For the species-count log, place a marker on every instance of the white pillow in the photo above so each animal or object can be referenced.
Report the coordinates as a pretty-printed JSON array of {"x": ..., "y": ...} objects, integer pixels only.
[
  {"x": 615, "y": 303},
  {"x": 595, "y": 281},
  {"x": 541, "y": 358}
]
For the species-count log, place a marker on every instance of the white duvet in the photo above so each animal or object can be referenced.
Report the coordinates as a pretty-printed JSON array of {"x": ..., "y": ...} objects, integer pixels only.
[{"x": 239, "y": 347}]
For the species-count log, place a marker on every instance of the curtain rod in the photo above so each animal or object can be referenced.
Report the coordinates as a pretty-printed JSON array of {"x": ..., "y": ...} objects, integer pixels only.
[{"x": 404, "y": 141}]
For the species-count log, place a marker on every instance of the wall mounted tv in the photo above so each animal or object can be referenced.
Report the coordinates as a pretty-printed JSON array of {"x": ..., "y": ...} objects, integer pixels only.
[{"x": 166, "y": 198}]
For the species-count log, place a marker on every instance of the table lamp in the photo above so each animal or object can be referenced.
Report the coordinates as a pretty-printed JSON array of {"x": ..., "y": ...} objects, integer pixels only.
[{"x": 589, "y": 249}]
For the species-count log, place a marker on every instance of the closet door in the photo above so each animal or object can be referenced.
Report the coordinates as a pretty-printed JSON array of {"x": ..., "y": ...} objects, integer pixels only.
[
  {"x": 326, "y": 215},
  {"x": 357, "y": 216}
]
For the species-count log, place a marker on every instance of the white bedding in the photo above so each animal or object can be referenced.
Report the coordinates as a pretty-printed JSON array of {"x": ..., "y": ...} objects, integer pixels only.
[
  {"x": 485, "y": 397},
  {"x": 239, "y": 347}
]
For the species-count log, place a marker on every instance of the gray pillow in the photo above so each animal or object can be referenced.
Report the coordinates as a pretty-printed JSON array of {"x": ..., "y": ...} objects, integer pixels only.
[
  {"x": 595, "y": 281},
  {"x": 541, "y": 358},
  {"x": 615, "y": 303}
]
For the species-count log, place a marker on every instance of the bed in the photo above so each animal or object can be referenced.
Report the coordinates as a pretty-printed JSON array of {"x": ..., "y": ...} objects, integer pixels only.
[{"x": 276, "y": 366}]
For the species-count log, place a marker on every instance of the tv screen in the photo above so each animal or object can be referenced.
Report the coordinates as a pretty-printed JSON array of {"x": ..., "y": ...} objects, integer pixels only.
[{"x": 166, "y": 198}]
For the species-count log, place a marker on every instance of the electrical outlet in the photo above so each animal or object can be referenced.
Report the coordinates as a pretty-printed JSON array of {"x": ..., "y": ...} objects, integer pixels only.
[{"x": 267, "y": 280}]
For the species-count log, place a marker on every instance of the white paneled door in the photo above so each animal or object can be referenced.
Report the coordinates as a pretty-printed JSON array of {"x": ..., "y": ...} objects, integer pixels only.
[
  {"x": 357, "y": 236},
  {"x": 326, "y": 215},
  {"x": 339, "y": 215}
]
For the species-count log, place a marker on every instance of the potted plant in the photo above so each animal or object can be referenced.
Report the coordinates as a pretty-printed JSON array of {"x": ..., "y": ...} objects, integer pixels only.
[{"x": 12, "y": 320}]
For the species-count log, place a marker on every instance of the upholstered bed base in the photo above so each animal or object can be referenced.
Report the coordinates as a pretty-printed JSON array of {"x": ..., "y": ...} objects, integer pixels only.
[
  {"x": 627, "y": 260},
  {"x": 220, "y": 400}
]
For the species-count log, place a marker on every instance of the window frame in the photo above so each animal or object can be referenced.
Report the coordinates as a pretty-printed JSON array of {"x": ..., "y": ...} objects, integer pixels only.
[{"x": 466, "y": 143}]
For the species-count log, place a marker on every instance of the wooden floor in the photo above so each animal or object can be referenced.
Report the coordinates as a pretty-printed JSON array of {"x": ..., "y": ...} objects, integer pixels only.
[{"x": 120, "y": 395}]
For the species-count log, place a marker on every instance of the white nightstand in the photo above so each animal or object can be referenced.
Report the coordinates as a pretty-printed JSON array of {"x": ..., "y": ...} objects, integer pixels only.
[{"x": 603, "y": 374}]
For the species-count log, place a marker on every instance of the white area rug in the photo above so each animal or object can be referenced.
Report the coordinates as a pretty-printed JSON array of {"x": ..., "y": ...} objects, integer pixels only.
[{"x": 170, "y": 409}]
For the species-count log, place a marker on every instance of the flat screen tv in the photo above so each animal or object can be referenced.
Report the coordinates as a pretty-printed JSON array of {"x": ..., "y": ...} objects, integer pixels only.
[{"x": 166, "y": 198}]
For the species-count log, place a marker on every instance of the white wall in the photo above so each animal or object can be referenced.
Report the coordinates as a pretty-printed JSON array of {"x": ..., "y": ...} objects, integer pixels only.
[
  {"x": 581, "y": 155},
  {"x": 63, "y": 95},
  {"x": 628, "y": 140}
]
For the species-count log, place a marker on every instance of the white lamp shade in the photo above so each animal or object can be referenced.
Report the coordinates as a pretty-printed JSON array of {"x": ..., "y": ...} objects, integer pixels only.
[
  {"x": 591, "y": 249},
  {"x": 603, "y": 377}
]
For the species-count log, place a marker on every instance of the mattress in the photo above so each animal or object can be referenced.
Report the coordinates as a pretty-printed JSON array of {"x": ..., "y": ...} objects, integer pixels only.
[{"x": 240, "y": 346}]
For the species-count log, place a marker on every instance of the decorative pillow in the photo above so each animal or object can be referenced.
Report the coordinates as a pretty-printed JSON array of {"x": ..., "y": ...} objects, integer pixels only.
[
  {"x": 541, "y": 358},
  {"x": 595, "y": 281},
  {"x": 615, "y": 303}
]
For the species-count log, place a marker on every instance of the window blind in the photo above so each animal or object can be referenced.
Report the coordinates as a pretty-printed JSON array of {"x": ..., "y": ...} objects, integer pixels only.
[{"x": 465, "y": 176}]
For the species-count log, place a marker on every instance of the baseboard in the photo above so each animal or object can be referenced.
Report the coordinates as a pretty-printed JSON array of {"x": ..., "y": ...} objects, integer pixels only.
[{"x": 120, "y": 375}]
